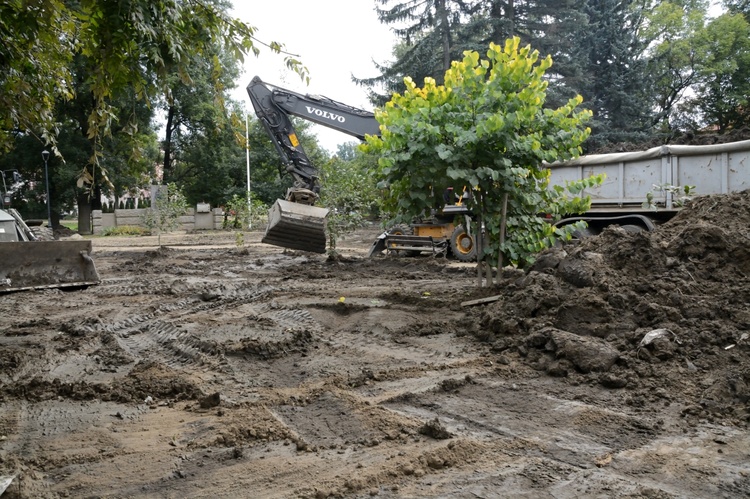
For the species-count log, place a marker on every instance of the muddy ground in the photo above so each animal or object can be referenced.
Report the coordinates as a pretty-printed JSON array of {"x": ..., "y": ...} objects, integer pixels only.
[{"x": 617, "y": 367}]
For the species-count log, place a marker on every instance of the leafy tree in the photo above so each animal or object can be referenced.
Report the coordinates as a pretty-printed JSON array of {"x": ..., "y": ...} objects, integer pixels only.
[
  {"x": 134, "y": 44},
  {"x": 129, "y": 154},
  {"x": 738, "y": 7},
  {"x": 349, "y": 191},
  {"x": 722, "y": 94},
  {"x": 486, "y": 128},
  {"x": 428, "y": 30},
  {"x": 674, "y": 30},
  {"x": 194, "y": 109}
]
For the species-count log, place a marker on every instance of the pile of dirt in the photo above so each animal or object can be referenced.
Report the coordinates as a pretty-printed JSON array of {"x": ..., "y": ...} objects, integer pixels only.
[
  {"x": 641, "y": 310},
  {"x": 685, "y": 139}
]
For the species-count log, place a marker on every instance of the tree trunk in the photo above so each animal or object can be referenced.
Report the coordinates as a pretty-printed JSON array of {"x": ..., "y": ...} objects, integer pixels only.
[
  {"x": 84, "y": 214},
  {"x": 168, "y": 145},
  {"x": 445, "y": 32},
  {"x": 511, "y": 17},
  {"x": 503, "y": 225}
]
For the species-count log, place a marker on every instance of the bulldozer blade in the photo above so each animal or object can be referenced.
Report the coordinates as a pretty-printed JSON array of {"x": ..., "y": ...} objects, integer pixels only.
[
  {"x": 46, "y": 264},
  {"x": 296, "y": 226}
]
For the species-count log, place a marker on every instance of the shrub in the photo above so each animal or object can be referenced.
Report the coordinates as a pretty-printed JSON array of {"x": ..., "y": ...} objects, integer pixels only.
[{"x": 126, "y": 230}]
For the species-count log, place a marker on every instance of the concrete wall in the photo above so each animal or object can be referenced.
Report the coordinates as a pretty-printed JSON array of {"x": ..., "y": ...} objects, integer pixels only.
[{"x": 201, "y": 219}]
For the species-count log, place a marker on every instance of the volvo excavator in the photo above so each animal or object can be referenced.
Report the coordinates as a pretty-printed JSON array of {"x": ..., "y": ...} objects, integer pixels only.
[{"x": 296, "y": 223}]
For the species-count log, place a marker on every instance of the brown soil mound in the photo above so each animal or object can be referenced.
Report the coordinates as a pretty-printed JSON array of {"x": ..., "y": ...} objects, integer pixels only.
[{"x": 591, "y": 310}]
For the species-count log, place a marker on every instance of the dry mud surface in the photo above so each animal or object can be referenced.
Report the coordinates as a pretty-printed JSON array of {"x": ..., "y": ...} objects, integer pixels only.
[{"x": 202, "y": 369}]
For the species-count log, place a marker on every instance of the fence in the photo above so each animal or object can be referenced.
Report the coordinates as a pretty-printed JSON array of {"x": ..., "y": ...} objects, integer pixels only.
[{"x": 200, "y": 218}]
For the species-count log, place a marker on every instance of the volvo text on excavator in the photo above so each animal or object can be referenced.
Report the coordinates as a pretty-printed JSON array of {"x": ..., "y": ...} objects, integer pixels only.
[{"x": 295, "y": 222}]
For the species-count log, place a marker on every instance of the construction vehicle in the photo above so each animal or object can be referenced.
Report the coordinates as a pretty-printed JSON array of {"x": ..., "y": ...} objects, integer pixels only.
[
  {"x": 294, "y": 222},
  {"x": 643, "y": 189},
  {"x": 31, "y": 260}
]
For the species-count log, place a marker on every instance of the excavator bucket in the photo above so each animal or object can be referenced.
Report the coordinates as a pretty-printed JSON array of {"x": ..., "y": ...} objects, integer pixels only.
[
  {"x": 46, "y": 264},
  {"x": 296, "y": 226}
]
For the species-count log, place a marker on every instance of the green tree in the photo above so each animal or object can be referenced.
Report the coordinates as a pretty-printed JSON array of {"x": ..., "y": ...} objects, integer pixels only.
[
  {"x": 349, "y": 191},
  {"x": 195, "y": 109},
  {"x": 135, "y": 44},
  {"x": 674, "y": 31},
  {"x": 722, "y": 93},
  {"x": 427, "y": 29},
  {"x": 486, "y": 128},
  {"x": 614, "y": 81},
  {"x": 170, "y": 204}
]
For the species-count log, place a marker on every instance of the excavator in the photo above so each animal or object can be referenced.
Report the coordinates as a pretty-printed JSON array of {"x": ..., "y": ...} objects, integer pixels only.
[{"x": 296, "y": 223}]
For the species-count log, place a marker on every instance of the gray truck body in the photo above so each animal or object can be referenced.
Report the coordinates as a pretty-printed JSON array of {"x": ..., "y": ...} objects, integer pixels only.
[{"x": 712, "y": 169}]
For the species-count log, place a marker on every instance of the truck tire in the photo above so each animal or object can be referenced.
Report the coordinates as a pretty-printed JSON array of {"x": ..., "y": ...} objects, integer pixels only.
[
  {"x": 400, "y": 230},
  {"x": 42, "y": 233},
  {"x": 463, "y": 245},
  {"x": 631, "y": 228}
]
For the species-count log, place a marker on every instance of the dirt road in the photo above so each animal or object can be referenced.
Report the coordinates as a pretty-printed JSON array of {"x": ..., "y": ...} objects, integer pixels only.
[{"x": 206, "y": 369}]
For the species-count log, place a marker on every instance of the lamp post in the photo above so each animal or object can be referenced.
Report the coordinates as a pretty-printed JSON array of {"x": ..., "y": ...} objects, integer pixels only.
[{"x": 45, "y": 156}]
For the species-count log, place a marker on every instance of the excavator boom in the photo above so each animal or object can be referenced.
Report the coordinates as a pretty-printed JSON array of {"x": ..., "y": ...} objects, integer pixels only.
[{"x": 295, "y": 222}]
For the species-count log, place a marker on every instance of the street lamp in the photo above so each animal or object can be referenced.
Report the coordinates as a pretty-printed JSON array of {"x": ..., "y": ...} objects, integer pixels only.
[{"x": 45, "y": 156}]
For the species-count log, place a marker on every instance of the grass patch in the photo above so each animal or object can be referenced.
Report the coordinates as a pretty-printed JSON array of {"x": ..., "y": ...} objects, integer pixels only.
[
  {"x": 126, "y": 230},
  {"x": 70, "y": 224}
]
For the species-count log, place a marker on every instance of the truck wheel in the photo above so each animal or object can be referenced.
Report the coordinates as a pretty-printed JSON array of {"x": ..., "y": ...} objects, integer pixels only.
[
  {"x": 463, "y": 245},
  {"x": 42, "y": 233},
  {"x": 400, "y": 230}
]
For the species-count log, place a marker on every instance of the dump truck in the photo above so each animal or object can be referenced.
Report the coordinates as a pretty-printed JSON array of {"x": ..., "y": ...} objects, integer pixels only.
[
  {"x": 295, "y": 222},
  {"x": 29, "y": 260},
  {"x": 642, "y": 189}
]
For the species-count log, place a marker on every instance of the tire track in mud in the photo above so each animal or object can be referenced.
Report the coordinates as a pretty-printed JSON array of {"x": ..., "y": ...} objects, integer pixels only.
[{"x": 178, "y": 335}]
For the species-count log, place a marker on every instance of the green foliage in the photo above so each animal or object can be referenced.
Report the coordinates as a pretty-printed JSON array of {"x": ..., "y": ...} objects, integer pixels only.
[
  {"x": 238, "y": 215},
  {"x": 135, "y": 46},
  {"x": 648, "y": 70},
  {"x": 673, "y": 31},
  {"x": 681, "y": 195},
  {"x": 349, "y": 192},
  {"x": 723, "y": 91},
  {"x": 169, "y": 206},
  {"x": 126, "y": 230},
  {"x": 258, "y": 213},
  {"x": 487, "y": 128}
]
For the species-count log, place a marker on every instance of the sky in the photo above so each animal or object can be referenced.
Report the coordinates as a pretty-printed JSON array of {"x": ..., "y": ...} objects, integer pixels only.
[{"x": 334, "y": 39}]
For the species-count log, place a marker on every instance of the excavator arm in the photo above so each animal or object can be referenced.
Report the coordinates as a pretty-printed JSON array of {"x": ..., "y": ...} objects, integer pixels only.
[{"x": 295, "y": 222}]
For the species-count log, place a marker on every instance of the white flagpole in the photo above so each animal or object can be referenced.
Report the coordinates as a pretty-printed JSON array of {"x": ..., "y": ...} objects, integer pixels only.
[{"x": 247, "y": 154}]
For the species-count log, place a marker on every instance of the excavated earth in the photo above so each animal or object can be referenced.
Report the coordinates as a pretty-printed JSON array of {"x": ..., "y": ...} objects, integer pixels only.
[{"x": 216, "y": 366}]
